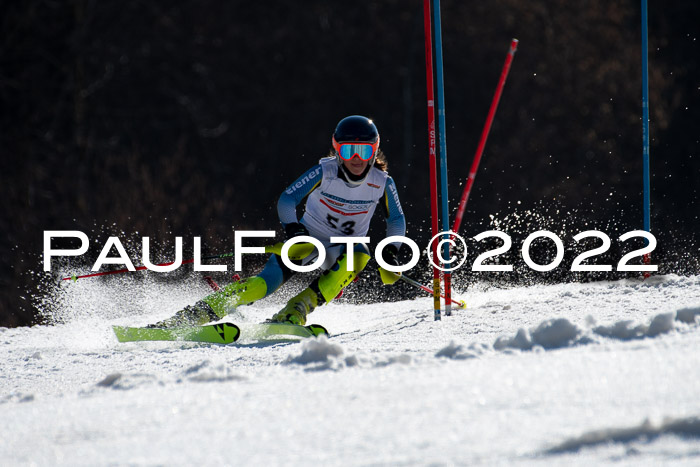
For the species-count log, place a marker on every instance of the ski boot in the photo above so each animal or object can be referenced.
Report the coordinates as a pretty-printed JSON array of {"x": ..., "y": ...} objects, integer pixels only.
[
  {"x": 323, "y": 289},
  {"x": 192, "y": 315},
  {"x": 297, "y": 308},
  {"x": 215, "y": 306}
]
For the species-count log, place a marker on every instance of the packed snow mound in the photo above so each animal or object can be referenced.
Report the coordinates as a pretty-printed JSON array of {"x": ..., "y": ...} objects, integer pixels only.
[
  {"x": 551, "y": 334},
  {"x": 684, "y": 427},
  {"x": 318, "y": 350},
  {"x": 626, "y": 330},
  {"x": 127, "y": 381},
  {"x": 207, "y": 372},
  {"x": 560, "y": 332},
  {"x": 321, "y": 354},
  {"x": 688, "y": 315},
  {"x": 202, "y": 372},
  {"x": 460, "y": 352},
  {"x": 556, "y": 333}
]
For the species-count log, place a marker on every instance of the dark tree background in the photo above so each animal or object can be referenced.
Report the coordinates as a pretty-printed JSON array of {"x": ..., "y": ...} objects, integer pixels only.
[{"x": 190, "y": 117}]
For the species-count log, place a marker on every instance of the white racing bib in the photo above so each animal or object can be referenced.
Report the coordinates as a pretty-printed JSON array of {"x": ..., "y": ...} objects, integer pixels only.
[{"x": 335, "y": 209}]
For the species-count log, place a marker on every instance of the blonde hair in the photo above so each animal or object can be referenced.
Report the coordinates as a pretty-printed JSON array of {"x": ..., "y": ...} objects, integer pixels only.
[{"x": 380, "y": 161}]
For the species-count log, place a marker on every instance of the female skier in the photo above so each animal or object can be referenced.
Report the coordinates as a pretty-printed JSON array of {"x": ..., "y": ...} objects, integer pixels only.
[{"x": 341, "y": 193}]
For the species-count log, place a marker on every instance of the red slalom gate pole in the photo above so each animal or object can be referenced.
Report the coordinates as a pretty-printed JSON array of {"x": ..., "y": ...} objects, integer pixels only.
[
  {"x": 432, "y": 152},
  {"x": 484, "y": 135}
]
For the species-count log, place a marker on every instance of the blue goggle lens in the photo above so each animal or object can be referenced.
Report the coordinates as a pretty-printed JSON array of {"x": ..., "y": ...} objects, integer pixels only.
[{"x": 364, "y": 151}]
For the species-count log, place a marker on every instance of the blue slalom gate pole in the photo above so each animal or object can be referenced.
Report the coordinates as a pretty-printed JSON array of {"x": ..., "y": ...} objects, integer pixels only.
[
  {"x": 645, "y": 127},
  {"x": 645, "y": 117},
  {"x": 443, "y": 153}
]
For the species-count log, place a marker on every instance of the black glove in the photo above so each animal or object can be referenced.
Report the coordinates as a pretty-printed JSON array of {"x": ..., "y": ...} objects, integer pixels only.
[
  {"x": 391, "y": 254},
  {"x": 294, "y": 230}
]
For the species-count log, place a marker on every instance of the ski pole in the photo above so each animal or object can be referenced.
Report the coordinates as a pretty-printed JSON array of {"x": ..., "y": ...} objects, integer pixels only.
[
  {"x": 415, "y": 283},
  {"x": 297, "y": 251},
  {"x": 484, "y": 135}
]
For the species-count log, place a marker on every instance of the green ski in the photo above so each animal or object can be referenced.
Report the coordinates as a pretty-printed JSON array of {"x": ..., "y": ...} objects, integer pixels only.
[
  {"x": 222, "y": 333},
  {"x": 273, "y": 330}
]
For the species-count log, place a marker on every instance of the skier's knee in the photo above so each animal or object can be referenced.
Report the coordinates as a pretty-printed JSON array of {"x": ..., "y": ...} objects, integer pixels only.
[
  {"x": 340, "y": 275},
  {"x": 235, "y": 294}
]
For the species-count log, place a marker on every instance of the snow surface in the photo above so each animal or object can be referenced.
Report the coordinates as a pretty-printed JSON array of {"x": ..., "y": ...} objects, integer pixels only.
[{"x": 575, "y": 374}]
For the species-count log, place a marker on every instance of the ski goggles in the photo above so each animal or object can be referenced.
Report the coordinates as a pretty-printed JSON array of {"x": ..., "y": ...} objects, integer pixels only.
[{"x": 364, "y": 151}]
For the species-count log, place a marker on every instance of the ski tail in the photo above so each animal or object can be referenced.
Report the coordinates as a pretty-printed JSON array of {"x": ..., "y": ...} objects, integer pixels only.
[
  {"x": 221, "y": 333},
  {"x": 273, "y": 330},
  {"x": 318, "y": 330}
]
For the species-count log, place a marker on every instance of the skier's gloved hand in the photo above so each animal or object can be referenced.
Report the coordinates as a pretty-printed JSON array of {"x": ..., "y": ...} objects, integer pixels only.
[
  {"x": 294, "y": 229},
  {"x": 391, "y": 256}
]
